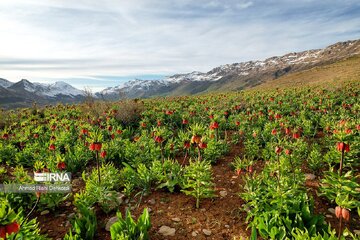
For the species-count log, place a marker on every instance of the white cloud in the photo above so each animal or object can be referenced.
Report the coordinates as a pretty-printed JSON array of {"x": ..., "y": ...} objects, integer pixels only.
[{"x": 66, "y": 39}]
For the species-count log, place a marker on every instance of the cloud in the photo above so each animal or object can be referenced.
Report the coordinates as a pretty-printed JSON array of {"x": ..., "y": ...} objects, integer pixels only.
[{"x": 73, "y": 40}]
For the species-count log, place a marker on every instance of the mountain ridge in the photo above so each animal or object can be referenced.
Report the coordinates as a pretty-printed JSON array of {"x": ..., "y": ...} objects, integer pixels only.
[{"x": 227, "y": 77}]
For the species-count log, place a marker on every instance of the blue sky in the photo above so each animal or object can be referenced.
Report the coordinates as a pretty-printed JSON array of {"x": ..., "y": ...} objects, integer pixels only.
[{"x": 101, "y": 43}]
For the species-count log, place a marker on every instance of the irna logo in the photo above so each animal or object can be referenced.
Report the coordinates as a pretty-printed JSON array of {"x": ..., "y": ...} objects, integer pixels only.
[{"x": 52, "y": 177}]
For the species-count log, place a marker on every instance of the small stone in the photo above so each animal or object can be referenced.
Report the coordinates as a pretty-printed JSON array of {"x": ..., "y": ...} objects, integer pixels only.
[
  {"x": 44, "y": 212},
  {"x": 203, "y": 210},
  {"x": 206, "y": 232},
  {"x": 328, "y": 216},
  {"x": 227, "y": 226},
  {"x": 310, "y": 176},
  {"x": 71, "y": 215},
  {"x": 110, "y": 223},
  {"x": 176, "y": 219},
  {"x": 120, "y": 198},
  {"x": 223, "y": 193},
  {"x": 152, "y": 201},
  {"x": 331, "y": 210},
  {"x": 232, "y": 182},
  {"x": 167, "y": 231},
  {"x": 67, "y": 224},
  {"x": 194, "y": 233},
  {"x": 62, "y": 215},
  {"x": 234, "y": 177},
  {"x": 68, "y": 204}
]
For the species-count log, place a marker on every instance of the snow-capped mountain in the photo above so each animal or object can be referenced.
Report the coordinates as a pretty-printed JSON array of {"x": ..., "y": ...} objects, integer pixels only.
[
  {"x": 48, "y": 90},
  {"x": 226, "y": 77},
  {"x": 235, "y": 76},
  {"x": 24, "y": 93}
]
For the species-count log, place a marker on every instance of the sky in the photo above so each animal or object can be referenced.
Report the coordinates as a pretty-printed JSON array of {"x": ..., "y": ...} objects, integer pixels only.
[{"x": 102, "y": 43}]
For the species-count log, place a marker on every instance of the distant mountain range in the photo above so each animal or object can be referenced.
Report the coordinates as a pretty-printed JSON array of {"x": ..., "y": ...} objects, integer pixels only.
[{"x": 227, "y": 77}]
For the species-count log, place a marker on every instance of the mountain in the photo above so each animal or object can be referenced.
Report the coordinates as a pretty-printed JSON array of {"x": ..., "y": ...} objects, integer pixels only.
[
  {"x": 24, "y": 93},
  {"x": 235, "y": 76},
  {"x": 340, "y": 61}
]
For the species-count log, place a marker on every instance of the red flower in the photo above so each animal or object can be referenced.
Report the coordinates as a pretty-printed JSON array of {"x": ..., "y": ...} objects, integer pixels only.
[
  {"x": 239, "y": 171},
  {"x": 52, "y": 147},
  {"x": 112, "y": 136},
  {"x": 358, "y": 127},
  {"x": 12, "y": 228},
  {"x": 187, "y": 144},
  {"x": 53, "y": 127},
  {"x": 288, "y": 151},
  {"x": 195, "y": 139},
  {"x": 52, "y": 138},
  {"x": 211, "y": 116},
  {"x": 36, "y": 135},
  {"x": 98, "y": 146},
  {"x": 343, "y": 147},
  {"x": 287, "y": 131},
  {"x": 159, "y": 123},
  {"x": 296, "y": 135},
  {"x": 61, "y": 166},
  {"x": 237, "y": 123},
  {"x": 250, "y": 169},
  {"x": 5, "y": 136},
  {"x": 158, "y": 139},
  {"x": 119, "y": 131},
  {"x": 274, "y": 132},
  {"x": 185, "y": 121},
  {"x": 110, "y": 128},
  {"x": 103, "y": 154},
  {"x": 92, "y": 147},
  {"x": 348, "y": 131},
  {"x": 278, "y": 150},
  {"x": 2, "y": 232},
  {"x": 345, "y": 214},
  {"x": 202, "y": 145},
  {"x": 143, "y": 125},
  {"x": 338, "y": 211}
]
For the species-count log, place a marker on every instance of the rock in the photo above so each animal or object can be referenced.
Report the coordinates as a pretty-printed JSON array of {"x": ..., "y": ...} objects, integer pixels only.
[
  {"x": 71, "y": 215},
  {"x": 206, "y": 232},
  {"x": 67, "y": 224},
  {"x": 234, "y": 177},
  {"x": 62, "y": 215},
  {"x": 328, "y": 216},
  {"x": 44, "y": 212},
  {"x": 310, "y": 176},
  {"x": 167, "y": 231},
  {"x": 203, "y": 210},
  {"x": 68, "y": 204},
  {"x": 227, "y": 226},
  {"x": 120, "y": 198},
  {"x": 223, "y": 193},
  {"x": 152, "y": 201},
  {"x": 110, "y": 223},
  {"x": 194, "y": 233},
  {"x": 232, "y": 182},
  {"x": 331, "y": 210},
  {"x": 176, "y": 219}
]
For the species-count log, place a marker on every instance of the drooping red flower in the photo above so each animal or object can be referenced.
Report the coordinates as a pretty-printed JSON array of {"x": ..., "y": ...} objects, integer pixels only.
[
  {"x": 158, "y": 139},
  {"x": 119, "y": 131},
  {"x": 158, "y": 123},
  {"x": 288, "y": 151},
  {"x": 13, "y": 227},
  {"x": 36, "y": 136},
  {"x": 103, "y": 154},
  {"x": 341, "y": 146},
  {"x": 345, "y": 214},
  {"x": 5, "y": 136},
  {"x": 143, "y": 125},
  {"x": 278, "y": 150},
  {"x": 61, "y": 166},
  {"x": 202, "y": 145},
  {"x": 2, "y": 232},
  {"x": 187, "y": 144},
  {"x": 274, "y": 131},
  {"x": 52, "y": 147},
  {"x": 110, "y": 128},
  {"x": 98, "y": 146},
  {"x": 195, "y": 139},
  {"x": 185, "y": 121},
  {"x": 237, "y": 123},
  {"x": 250, "y": 169},
  {"x": 296, "y": 135},
  {"x": 338, "y": 211}
]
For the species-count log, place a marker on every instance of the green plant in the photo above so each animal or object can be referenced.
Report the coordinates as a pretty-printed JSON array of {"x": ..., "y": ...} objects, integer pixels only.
[
  {"x": 84, "y": 225},
  {"x": 198, "y": 181},
  {"x": 127, "y": 229}
]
